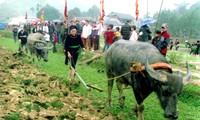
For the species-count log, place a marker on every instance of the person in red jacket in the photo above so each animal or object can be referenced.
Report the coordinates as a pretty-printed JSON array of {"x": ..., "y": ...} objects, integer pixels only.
[
  {"x": 109, "y": 37},
  {"x": 165, "y": 39},
  {"x": 54, "y": 41}
]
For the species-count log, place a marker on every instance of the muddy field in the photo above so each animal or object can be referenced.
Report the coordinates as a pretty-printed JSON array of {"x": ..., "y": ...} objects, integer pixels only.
[{"x": 27, "y": 93}]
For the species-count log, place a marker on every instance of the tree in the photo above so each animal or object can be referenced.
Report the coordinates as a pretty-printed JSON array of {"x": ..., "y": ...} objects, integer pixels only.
[
  {"x": 75, "y": 10},
  {"x": 94, "y": 12},
  {"x": 182, "y": 21},
  {"x": 50, "y": 13}
]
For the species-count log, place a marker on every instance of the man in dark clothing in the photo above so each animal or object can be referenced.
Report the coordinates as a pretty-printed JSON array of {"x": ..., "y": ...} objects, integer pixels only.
[
  {"x": 15, "y": 31},
  {"x": 51, "y": 30},
  {"x": 58, "y": 29},
  {"x": 126, "y": 30},
  {"x": 144, "y": 33},
  {"x": 156, "y": 39},
  {"x": 22, "y": 36},
  {"x": 79, "y": 27},
  {"x": 198, "y": 46}
]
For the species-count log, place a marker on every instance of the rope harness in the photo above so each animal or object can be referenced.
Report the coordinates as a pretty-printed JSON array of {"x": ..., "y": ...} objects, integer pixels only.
[{"x": 136, "y": 67}]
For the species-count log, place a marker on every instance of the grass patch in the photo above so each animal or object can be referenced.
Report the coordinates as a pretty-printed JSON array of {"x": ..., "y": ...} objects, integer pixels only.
[
  {"x": 13, "y": 116},
  {"x": 41, "y": 104},
  {"x": 57, "y": 104},
  {"x": 70, "y": 115}
]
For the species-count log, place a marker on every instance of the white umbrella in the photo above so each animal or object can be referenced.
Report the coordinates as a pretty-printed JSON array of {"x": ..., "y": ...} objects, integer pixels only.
[
  {"x": 147, "y": 21},
  {"x": 115, "y": 22},
  {"x": 17, "y": 21}
]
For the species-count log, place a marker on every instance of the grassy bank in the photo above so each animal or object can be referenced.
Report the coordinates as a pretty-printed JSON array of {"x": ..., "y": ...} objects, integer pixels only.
[{"x": 189, "y": 101}]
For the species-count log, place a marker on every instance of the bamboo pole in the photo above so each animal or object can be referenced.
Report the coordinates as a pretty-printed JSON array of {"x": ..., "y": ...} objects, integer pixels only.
[
  {"x": 159, "y": 15},
  {"x": 83, "y": 82}
]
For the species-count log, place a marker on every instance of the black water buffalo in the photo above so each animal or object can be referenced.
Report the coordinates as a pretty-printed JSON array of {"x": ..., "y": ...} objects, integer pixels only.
[
  {"x": 161, "y": 80},
  {"x": 37, "y": 45}
]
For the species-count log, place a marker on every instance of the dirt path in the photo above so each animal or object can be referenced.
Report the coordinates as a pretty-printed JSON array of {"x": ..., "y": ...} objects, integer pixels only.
[{"x": 34, "y": 94}]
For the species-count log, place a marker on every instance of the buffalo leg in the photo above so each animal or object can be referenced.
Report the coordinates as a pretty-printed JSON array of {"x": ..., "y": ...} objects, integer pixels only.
[
  {"x": 121, "y": 93},
  {"x": 32, "y": 57},
  {"x": 110, "y": 86},
  {"x": 138, "y": 110},
  {"x": 39, "y": 59}
]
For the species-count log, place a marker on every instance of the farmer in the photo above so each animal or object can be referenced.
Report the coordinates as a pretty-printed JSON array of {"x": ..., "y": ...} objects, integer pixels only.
[
  {"x": 22, "y": 36},
  {"x": 72, "y": 48}
]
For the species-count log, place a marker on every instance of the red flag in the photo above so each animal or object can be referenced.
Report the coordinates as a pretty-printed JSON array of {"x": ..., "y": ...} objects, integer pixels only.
[
  {"x": 102, "y": 10},
  {"x": 65, "y": 10},
  {"x": 74, "y": 16},
  {"x": 26, "y": 16},
  {"x": 136, "y": 10}
]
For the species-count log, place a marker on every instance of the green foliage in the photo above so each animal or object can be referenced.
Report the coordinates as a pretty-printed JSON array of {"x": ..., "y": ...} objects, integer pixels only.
[
  {"x": 50, "y": 13},
  {"x": 174, "y": 58},
  {"x": 28, "y": 108},
  {"x": 6, "y": 34},
  {"x": 36, "y": 107},
  {"x": 57, "y": 94},
  {"x": 13, "y": 116},
  {"x": 192, "y": 94},
  {"x": 182, "y": 22},
  {"x": 57, "y": 104},
  {"x": 68, "y": 115},
  {"x": 44, "y": 105},
  {"x": 72, "y": 11},
  {"x": 26, "y": 82},
  {"x": 93, "y": 12}
]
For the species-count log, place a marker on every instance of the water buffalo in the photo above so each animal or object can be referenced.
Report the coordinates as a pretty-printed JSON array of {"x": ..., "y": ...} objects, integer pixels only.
[
  {"x": 161, "y": 80},
  {"x": 37, "y": 45}
]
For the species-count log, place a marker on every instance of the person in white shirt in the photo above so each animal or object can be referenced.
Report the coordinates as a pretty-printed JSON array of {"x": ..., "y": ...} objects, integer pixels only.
[
  {"x": 45, "y": 28},
  {"x": 133, "y": 36},
  {"x": 87, "y": 29},
  {"x": 46, "y": 36}
]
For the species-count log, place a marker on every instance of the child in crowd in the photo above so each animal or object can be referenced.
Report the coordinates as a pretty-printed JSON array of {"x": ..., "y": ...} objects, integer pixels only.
[
  {"x": 117, "y": 34},
  {"x": 133, "y": 36}
]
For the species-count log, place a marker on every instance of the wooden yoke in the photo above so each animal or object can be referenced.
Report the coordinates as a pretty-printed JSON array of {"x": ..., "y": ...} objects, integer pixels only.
[{"x": 154, "y": 66}]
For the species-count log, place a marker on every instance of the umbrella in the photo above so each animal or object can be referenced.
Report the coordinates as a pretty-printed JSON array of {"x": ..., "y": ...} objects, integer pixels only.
[
  {"x": 17, "y": 21},
  {"x": 115, "y": 22},
  {"x": 56, "y": 20},
  {"x": 147, "y": 21}
]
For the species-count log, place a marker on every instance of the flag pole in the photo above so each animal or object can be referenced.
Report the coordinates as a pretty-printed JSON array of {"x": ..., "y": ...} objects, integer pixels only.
[
  {"x": 159, "y": 15},
  {"x": 147, "y": 8}
]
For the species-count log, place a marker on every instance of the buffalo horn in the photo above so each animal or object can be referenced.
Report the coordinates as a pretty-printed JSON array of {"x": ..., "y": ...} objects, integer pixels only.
[
  {"x": 49, "y": 48},
  {"x": 154, "y": 74},
  {"x": 188, "y": 77},
  {"x": 39, "y": 41},
  {"x": 38, "y": 48}
]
